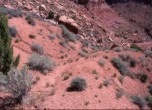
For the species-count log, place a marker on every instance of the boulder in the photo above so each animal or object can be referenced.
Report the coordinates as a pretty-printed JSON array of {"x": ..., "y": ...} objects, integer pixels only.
[{"x": 69, "y": 23}]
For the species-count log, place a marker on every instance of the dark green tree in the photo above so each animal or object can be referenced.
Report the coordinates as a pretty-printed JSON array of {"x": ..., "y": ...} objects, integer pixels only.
[{"x": 6, "y": 50}]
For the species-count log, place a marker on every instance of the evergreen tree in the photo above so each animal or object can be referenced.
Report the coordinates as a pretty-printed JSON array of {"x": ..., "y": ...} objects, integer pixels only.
[{"x": 6, "y": 50}]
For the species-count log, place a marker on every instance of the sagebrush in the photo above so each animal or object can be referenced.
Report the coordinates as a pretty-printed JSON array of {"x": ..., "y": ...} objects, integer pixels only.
[
  {"x": 17, "y": 82},
  {"x": 41, "y": 62}
]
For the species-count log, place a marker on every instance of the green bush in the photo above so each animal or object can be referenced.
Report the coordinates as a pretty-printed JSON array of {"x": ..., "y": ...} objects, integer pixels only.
[
  {"x": 40, "y": 62},
  {"x": 6, "y": 50},
  {"x": 77, "y": 84}
]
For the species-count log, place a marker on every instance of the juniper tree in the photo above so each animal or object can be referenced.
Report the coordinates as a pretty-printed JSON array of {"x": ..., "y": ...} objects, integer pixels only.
[{"x": 6, "y": 50}]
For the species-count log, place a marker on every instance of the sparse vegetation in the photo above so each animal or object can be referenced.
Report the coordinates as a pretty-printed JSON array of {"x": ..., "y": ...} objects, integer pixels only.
[
  {"x": 82, "y": 53},
  {"x": 30, "y": 21},
  {"x": 142, "y": 77},
  {"x": 37, "y": 48},
  {"x": 63, "y": 44},
  {"x": 122, "y": 68},
  {"x": 150, "y": 89},
  {"x": 140, "y": 101},
  {"x": 50, "y": 15},
  {"x": 17, "y": 82},
  {"x": 68, "y": 35},
  {"x": 52, "y": 36},
  {"x": 149, "y": 100},
  {"x": 13, "y": 31},
  {"x": 101, "y": 62},
  {"x": 121, "y": 79},
  {"x": 137, "y": 48},
  {"x": 41, "y": 62},
  {"x": 11, "y": 12},
  {"x": 117, "y": 49},
  {"x": 106, "y": 82},
  {"x": 85, "y": 43},
  {"x": 148, "y": 53},
  {"x": 129, "y": 59},
  {"x": 77, "y": 84},
  {"x": 119, "y": 93}
]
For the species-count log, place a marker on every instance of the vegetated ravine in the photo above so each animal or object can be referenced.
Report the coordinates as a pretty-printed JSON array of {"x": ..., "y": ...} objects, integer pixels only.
[{"x": 137, "y": 12}]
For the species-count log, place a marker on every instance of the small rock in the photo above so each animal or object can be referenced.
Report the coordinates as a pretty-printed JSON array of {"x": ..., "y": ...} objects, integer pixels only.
[
  {"x": 28, "y": 7},
  {"x": 42, "y": 7}
]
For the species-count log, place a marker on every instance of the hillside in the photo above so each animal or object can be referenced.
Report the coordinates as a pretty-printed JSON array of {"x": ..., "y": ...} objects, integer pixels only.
[{"x": 100, "y": 44}]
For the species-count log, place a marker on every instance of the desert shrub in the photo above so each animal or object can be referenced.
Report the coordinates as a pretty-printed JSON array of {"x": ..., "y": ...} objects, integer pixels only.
[
  {"x": 82, "y": 2},
  {"x": 106, "y": 82},
  {"x": 137, "y": 48},
  {"x": 149, "y": 100},
  {"x": 101, "y": 62},
  {"x": 17, "y": 82},
  {"x": 37, "y": 48},
  {"x": 142, "y": 77},
  {"x": 68, "y": 35},
  {"x": 63, "y": 44},
  {"x": 40, "y": 62},
  {"x": 117, "y": 49},
  {"x": 30, "y": 21},
  {"x": 119, "y": 93},
  {"x": 82, "y": 53},
  {"x": 122, "y": 68},
  {"x": 148, "y": 53},
  {"x": 121, "y": 79},
  {"x": 52, "y": 36},
  {"x": 140, "y": 101},
  {"x": 77, "y": 84},
  {"x": 50, "y": 15},
  {"x": 132, "y": 62},
  {"x": 150, "y": 89},
  {"x": 11, "y": 12},
  {"x": 129, "y": 59},
  {"x": 13, "y": 31},
  {"x": 85, "y": 43}
]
